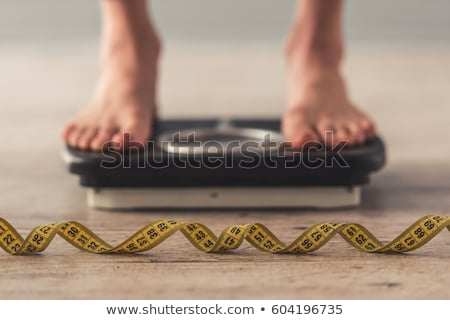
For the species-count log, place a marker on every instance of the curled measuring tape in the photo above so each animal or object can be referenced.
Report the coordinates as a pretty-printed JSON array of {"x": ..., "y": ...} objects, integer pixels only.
[{"x": 419, "y": 233}]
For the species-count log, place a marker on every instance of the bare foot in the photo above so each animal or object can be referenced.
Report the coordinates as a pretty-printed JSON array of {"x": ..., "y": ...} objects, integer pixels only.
[
  {"x": 319, "y": 109},
  {"x": 124, "y": 101}
]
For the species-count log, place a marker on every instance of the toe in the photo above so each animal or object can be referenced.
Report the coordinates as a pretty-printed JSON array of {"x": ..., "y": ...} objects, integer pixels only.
[
  {"x": 67, "y": 131},
  {"x": 299, "y": 133},
  {"x": 103, "y": 136},
  {"x": 134, "y": 135},
  {"x": 368, "y": 128},
  {"x": 304, "y": 138},
  {"x": 341, "y": 136},
  {"x": 357, "y": 134},
  {"x": 74, "y": 136},
  {"x": 124, "y": 140},
  {"x": 85, "y": 139},
  {"x": 326, "y": 131},
  {"x": 131, "y": 137}
]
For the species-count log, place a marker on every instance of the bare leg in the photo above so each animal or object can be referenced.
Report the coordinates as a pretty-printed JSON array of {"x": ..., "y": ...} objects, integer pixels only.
[
  {"x": 317, "y": 99},
  {"x": 124, "y": 101}
]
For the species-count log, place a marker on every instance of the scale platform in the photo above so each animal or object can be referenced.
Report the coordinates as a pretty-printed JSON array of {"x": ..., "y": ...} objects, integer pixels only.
[{"x": 232, "y": 163}]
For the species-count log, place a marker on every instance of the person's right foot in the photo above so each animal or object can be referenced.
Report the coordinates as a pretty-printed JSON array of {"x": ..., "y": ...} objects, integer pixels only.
[{"x": 124, "y": 102}]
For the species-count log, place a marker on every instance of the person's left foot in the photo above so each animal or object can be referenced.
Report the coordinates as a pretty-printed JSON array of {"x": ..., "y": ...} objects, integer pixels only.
[{"x": 319, "y": 110}]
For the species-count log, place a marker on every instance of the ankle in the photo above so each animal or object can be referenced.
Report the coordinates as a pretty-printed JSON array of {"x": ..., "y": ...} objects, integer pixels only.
[
  {"x": 145, "y": 45},
  {"x": 307, "y": 47},
  {"x": 128, "y": 28}
]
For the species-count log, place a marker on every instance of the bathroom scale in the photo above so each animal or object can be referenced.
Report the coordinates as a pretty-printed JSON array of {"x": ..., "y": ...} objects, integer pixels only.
[{"x": 224, "y": 163}]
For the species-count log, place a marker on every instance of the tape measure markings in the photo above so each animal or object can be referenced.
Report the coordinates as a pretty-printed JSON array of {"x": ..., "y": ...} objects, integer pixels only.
[{"x": 231, "y": 238}]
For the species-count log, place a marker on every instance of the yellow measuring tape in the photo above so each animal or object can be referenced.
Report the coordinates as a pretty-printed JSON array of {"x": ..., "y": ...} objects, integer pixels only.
[{"x": 419, "y": 233}]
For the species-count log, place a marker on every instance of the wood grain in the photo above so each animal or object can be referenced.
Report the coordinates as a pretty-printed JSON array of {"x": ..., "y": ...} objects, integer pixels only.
[{"x": 412, "y": 115}]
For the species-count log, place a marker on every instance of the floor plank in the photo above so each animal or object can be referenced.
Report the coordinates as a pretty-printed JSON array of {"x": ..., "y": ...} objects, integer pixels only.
[{"x": 35, "y": 188}]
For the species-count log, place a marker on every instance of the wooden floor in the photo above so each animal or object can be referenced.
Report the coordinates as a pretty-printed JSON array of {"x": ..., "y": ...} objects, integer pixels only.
[{"x": 405, "y": 91}]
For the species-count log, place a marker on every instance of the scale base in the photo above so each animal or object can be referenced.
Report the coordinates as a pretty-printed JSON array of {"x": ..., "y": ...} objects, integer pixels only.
[{"x": 224, "y": 198}]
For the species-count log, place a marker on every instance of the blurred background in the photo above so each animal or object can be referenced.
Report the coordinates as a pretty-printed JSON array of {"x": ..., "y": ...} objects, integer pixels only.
[
  {"x": 225, "y": 57},
  {"x": 48, "y": 51},
  {"x": 221, "y": 57},
  {"x": 399, "y": 22}
]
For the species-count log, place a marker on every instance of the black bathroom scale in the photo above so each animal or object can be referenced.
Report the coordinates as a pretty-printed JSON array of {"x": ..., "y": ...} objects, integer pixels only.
[{"x": 224, "y": 163}]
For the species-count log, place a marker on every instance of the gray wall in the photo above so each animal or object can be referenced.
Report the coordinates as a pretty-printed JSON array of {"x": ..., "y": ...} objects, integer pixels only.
[{"x": 395, "y": 22}]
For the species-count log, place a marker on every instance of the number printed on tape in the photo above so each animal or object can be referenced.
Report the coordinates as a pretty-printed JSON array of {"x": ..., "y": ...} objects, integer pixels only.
[{"x": 231, "y": 238}]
